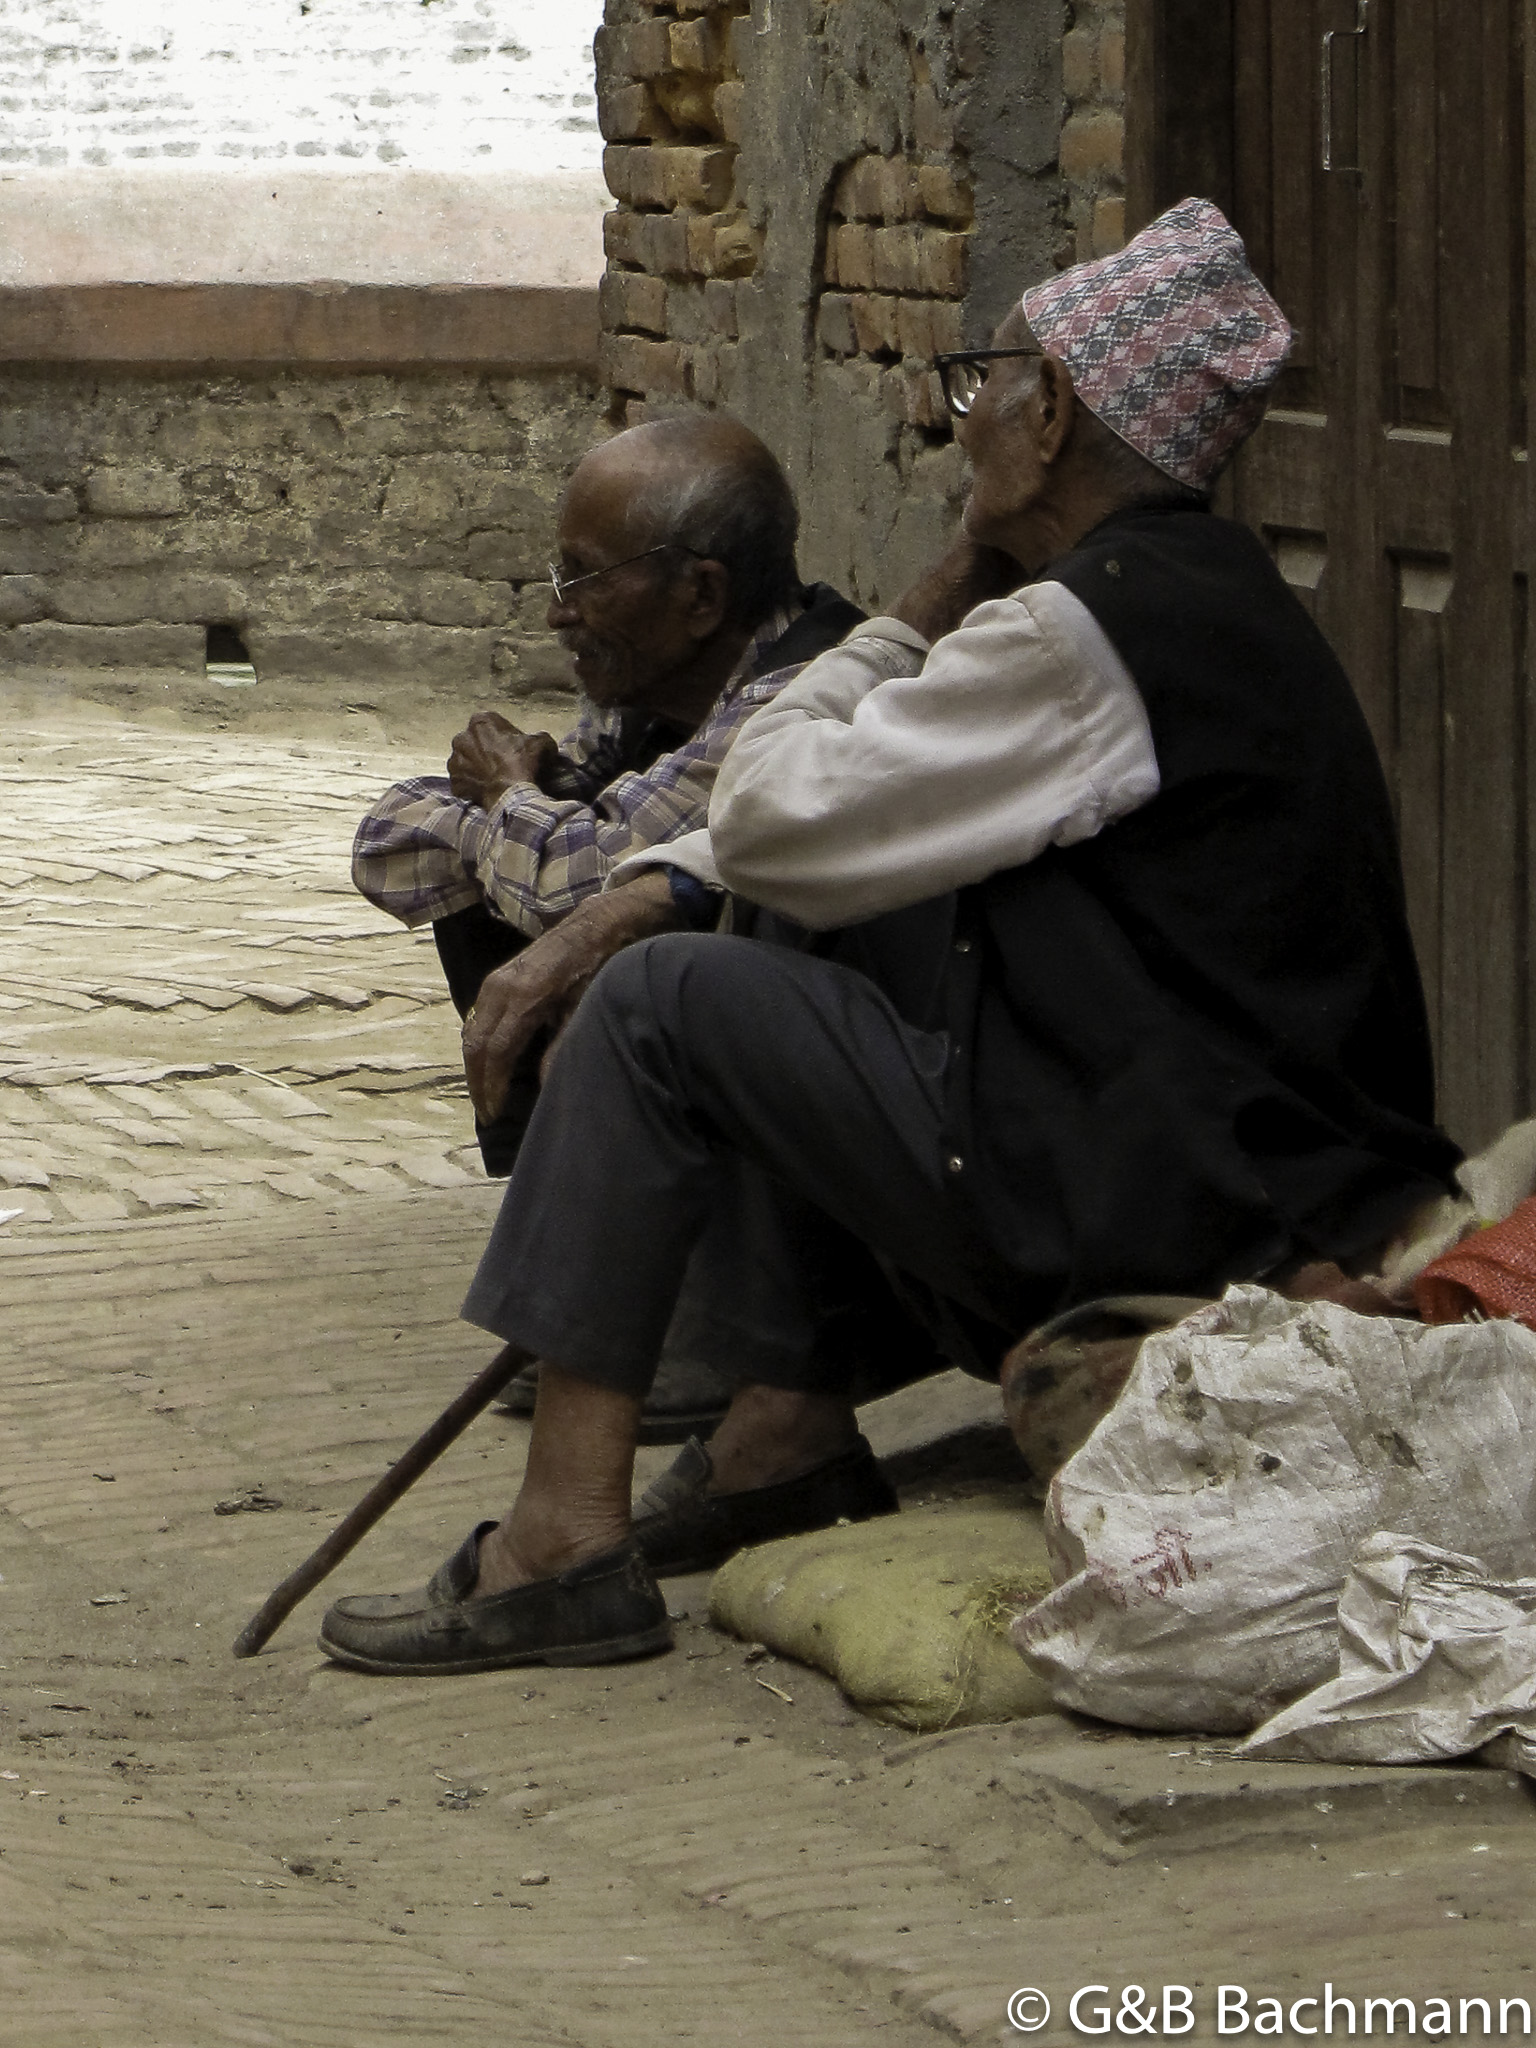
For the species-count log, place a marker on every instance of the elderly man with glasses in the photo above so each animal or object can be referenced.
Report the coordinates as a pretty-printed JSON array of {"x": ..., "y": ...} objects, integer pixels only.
[
  {"x": 1103, "y": 983},
  {"x": 678, "y": 599}
]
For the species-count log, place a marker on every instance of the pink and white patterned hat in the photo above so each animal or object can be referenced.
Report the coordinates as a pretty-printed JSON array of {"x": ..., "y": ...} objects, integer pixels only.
[{"x": 1172, "y": 342}]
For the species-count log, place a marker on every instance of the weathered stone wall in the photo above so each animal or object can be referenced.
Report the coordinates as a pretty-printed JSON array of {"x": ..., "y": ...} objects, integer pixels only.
[
  {"x": 176, "y": 449},
  {"x": 375, "y": 538},
  {"x": 815, "y": 196}
]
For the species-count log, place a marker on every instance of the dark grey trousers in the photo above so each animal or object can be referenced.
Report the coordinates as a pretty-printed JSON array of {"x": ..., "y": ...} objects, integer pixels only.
[
  {"x": 754, "y": 1118},
  {"x": 471, "y": 944}
]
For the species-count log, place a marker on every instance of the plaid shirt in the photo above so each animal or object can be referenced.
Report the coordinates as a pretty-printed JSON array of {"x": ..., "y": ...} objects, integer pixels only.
[{"x": 422, "y": 853}]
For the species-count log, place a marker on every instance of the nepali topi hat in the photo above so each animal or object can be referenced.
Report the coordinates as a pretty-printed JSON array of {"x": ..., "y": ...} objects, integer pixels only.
[{"x": 1172, "y": 342}]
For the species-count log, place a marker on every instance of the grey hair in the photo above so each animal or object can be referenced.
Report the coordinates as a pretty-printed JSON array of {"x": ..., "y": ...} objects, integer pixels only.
[
  {"x": 1127, "y": 472},
  {"x": 1124, "y": 470},
  {"x": 720, "y": 493}
]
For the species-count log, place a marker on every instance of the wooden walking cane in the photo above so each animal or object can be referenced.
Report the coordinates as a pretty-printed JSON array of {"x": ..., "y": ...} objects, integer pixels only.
[{"x": 379, "y": 1499}]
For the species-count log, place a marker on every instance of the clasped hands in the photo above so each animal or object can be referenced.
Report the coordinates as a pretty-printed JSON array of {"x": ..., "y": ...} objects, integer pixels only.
[{"x": 491, "y": 754}]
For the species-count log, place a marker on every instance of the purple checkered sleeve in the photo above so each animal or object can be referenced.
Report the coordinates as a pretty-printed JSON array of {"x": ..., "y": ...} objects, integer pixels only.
[{"x": 422, "y": 853}]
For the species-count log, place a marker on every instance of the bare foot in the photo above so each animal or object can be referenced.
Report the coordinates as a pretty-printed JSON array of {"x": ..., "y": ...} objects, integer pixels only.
[
  {"x": 513, "y": 1556},
  {"x": 770, "y": 1435},
  {"x": 574, "y": 1503}
]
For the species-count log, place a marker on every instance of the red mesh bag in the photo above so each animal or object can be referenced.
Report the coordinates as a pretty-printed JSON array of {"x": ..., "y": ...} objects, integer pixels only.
[{"x": 1491, "y": 1273}]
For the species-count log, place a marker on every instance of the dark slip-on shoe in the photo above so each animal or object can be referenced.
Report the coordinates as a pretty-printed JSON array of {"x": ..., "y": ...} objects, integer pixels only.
[
  {"x": 687, "y": 1398},
  {"x": 595, "y": 1613},
  {"x": 680, "y": 1527}
]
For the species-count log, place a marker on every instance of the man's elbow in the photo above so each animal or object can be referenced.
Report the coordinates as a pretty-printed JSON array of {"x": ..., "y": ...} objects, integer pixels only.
[
  {"x": 749, "y": 849},
  {"x": 786, "y": 856},
  {"x": 762, "y": 870}
]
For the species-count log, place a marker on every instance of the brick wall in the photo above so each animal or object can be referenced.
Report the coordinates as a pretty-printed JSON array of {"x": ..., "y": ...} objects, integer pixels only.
[
  {"x": 816, "y": 195},
  {"x": 1093, "y": 133},
  {"x": 681, "y": 238},
  {"x": 377, "y": 539},
  {"x": 429, "y": 83},
  {"x": 894, "y": 263}
]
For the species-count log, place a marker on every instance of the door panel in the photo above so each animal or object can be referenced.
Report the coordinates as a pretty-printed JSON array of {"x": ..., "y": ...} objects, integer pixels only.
[{"x": 1389, "y": 478}]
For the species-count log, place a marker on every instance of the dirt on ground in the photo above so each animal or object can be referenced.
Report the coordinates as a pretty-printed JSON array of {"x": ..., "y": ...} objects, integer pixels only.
[{"x": 223, "y": 1317}]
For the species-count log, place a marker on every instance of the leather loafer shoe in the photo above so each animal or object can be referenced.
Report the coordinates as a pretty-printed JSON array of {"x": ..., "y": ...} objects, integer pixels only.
[
  {"x": 680, "y": 1527},
  {"x": 598, "y": 1612}
]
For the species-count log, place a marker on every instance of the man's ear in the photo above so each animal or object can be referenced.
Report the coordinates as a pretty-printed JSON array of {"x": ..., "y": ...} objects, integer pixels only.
[
  {"x": 1055, "y": 405},
  {"x": 710, "y": 597}
]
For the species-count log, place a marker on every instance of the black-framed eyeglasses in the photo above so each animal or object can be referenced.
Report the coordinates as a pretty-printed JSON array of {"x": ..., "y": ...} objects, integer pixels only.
[
  {"x": 962, "y": 372},
  {"x": 564, "y": 585}
]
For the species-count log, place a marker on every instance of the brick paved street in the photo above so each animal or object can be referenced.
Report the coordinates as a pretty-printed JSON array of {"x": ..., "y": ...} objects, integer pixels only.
[
  {"x": 234, "y": 1146},
  {"x": 196, "y": 1009}
]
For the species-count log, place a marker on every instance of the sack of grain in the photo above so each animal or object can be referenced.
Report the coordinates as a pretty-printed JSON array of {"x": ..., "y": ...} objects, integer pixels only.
[{"x": 910, "y": 1613}]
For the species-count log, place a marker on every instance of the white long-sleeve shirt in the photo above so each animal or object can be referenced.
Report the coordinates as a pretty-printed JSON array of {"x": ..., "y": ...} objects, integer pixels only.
[{"x": 890, "y": 771}]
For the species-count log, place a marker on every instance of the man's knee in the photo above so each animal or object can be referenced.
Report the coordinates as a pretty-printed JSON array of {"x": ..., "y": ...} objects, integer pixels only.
[
  {"x": 635, "y": 994},
  {"x": 650, "y": 978},
  {"x": 674, "y": 996}
]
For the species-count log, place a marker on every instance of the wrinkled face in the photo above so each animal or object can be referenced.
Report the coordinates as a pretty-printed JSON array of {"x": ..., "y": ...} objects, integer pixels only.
[
  {"x": 998, "y": 435},
  {"x": 623, "y": 629}
]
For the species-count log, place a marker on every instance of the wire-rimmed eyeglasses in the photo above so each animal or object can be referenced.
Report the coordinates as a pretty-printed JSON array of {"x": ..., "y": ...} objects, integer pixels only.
[
  {"x": 564, "y": 585},
  {"x": 962, "y": 373}
]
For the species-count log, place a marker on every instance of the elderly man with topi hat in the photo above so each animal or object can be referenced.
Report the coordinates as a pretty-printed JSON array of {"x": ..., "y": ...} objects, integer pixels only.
[{"x": 1091, "y": 975}]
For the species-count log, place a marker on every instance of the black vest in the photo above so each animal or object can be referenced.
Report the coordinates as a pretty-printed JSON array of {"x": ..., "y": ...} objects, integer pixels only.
[{"x": 1195, "y": 1044}]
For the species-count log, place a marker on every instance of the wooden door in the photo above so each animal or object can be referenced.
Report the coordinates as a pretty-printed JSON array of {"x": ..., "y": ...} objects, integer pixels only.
[{"x": 1390, "y": 478}]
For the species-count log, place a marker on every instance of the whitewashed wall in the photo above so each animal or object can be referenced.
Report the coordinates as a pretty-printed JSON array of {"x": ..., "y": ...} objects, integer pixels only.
[{"x": 489, "y": 85}]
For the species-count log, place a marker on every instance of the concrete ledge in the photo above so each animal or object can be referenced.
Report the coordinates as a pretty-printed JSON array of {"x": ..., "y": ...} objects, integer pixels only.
[
  {"x": 1125, "y": 1795},
  {"x": 181, "y": 267},
  {"x": 187, "y": 226},
  {"x": 517, "y": 327}
]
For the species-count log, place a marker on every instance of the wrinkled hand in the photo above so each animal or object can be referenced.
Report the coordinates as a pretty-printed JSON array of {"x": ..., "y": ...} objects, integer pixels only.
[
  {"x": 490, "y": 754},
  {"x": 963, "y": 577},
  {"x": 523, "y": 1008}
]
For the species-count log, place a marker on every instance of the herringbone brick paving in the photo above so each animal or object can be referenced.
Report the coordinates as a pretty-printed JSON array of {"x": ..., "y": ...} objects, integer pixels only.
[
  {"x": 196, "y": 1009},
  {"x": 235, "y": 1140}
]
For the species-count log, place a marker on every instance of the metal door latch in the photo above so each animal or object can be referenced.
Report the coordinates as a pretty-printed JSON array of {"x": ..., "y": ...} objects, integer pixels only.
[{"x": 1331, "y": 36}]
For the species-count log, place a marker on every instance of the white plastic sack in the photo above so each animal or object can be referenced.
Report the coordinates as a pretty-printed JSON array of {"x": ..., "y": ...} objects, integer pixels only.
[
  {"x": 1435, "y": 1659},
  {"x": 1202, "y": 1534}
]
